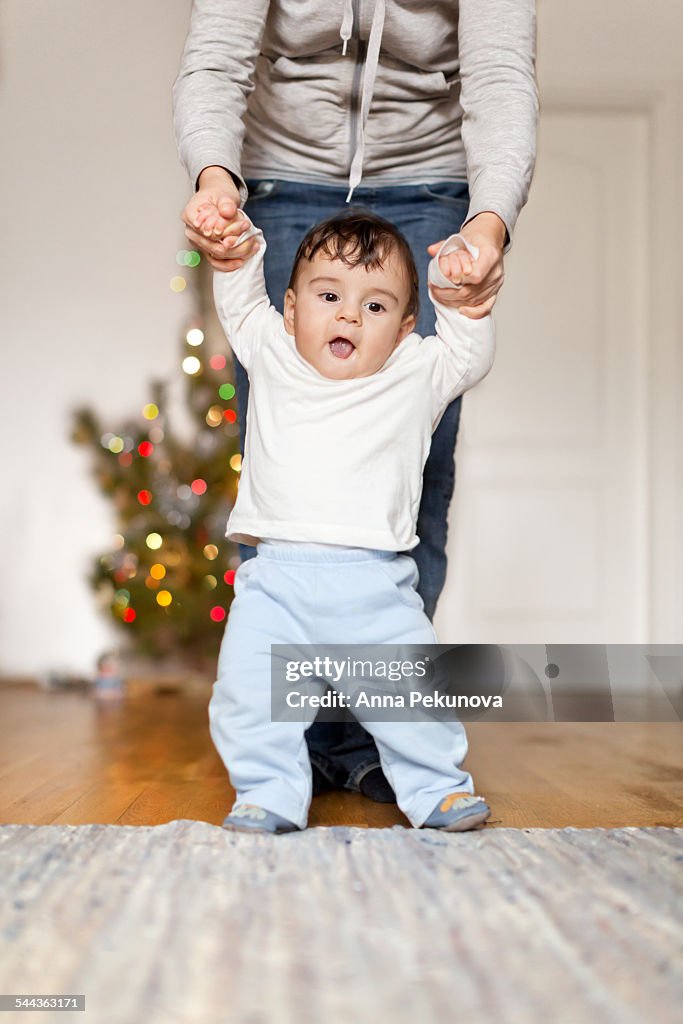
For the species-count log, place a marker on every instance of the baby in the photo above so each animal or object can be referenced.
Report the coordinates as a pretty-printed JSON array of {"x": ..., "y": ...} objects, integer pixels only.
[{"x": 344, "y": 397}]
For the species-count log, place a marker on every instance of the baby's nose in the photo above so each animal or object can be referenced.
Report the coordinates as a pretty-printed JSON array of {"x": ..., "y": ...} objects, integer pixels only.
[{"x": 349, "y": 312}]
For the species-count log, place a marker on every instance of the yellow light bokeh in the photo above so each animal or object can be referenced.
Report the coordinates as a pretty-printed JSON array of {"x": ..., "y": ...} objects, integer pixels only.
[
  {"x": 154, "y": 541},
  {"x": 214, "y": 416},
  {"x": 236, "y": 463},
  {"x": 157, "y": 571},
  {"x": 150, "y": 411},
  {"x": 195, "y": 336},
  {"x": 178, "y": 284},
  {"x": 211, "y": 552},
  {"x": 164, "y": 598},
  {"x": 210, "y": 582}
]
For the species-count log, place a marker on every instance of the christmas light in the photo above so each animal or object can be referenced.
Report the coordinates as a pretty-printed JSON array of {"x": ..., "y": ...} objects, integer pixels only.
[
  {"x": 210, "y": 552},
  {"x": 178, "y": 284},
  {"x": 181, "y": 257},
  {"x": 227, "y": 391},
  {"x": 191, "y": 365},
  {"x": 214, "y": 416},
  {"x": 156, "y": 435},
  {"x": 150, "y": 411},
  {"x": 154, "y": 541},
  {"x": 129, "y": 615},
  {"x": 184, "y": 492},
  {"x": 145, "y": 449},
  {"x": 210, "y": 582},
  {"x": 122, "y": 598},
  {"x": 236, "y": 463},
  {"x": 198, "y": 486},
  {"x": 229, "y": 577},
  {"x": 217, "y": 613},
  {"x": 145, "y": 497},
  {"x": 193, "y": 259},
  {"x": 151, "y": 583},
  {"x": 164, "y": 598},
  {"x": 158, "y": 571},
  {"x": 194, "y": 337},
  {"x": 118, "y": 541},
  {"x": 218, "y": 362},
  {"x": 116, "y": 445},
  {"x": 230, "y": 415}
]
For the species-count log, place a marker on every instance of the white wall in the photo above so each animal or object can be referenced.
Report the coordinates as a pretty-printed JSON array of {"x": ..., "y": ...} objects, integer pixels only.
[{"x": 91, "y": 192}]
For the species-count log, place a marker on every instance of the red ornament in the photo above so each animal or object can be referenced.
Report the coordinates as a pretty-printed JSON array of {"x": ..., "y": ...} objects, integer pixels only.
[
  {"x": 217, "y": 362},
  {"x": 229, "y": 577},
  {"x": 145, "y": 448},
  {"x": 145, "y": 497},
  {"x": 129, "y": 615},
  {"x": 230, "y": 415},
  {"x": 198, "y": 486},
  {"x": 217, "y": 613}
]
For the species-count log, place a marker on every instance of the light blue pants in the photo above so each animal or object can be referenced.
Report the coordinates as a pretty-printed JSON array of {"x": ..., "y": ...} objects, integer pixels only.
[{"x": 295, "y": 593}]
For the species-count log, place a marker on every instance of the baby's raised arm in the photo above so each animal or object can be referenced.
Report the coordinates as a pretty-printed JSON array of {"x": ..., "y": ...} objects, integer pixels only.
[
  {"x": 463, "y": 348},
  {"x": 242, "y": 302}
]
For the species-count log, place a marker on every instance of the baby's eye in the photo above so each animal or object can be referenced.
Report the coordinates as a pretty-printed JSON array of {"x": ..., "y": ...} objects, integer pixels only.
[
  {"x": 328, "y": 296},
  {"x": 375, "y": 307}
]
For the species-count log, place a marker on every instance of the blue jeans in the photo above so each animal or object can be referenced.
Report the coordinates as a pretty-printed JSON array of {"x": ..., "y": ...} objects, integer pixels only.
[{"x": 285, "y": 211}]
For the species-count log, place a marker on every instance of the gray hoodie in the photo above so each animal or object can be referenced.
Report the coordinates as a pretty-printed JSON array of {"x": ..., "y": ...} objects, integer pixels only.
[{"x": 385, "y": 92}]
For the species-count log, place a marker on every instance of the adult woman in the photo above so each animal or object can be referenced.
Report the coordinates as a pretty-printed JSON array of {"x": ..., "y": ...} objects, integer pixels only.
[{"x": 425, "y": 113}]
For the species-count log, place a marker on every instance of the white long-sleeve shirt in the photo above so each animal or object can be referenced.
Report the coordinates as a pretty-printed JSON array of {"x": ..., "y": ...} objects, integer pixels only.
[{"x": 338, "y": 461}]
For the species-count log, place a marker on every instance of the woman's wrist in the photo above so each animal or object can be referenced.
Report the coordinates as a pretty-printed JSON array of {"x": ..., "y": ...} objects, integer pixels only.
[
  {"x": 210, "y": 176},
  {"x": 491, "y": 225}
]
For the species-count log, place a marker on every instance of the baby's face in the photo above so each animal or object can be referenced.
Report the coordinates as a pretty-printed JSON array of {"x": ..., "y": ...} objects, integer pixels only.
[{"x": 347, "y": 321}]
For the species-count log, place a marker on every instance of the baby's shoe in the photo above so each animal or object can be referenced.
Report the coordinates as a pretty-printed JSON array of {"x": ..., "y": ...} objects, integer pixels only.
[
  {"x": 250, "y": 818},
  {"x": 458, "y": 812}
]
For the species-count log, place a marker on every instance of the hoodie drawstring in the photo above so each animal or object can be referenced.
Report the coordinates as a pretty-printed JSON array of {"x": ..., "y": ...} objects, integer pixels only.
[
  {"x": 369, "y": 76},
  {"x": 347, "y": 24}
]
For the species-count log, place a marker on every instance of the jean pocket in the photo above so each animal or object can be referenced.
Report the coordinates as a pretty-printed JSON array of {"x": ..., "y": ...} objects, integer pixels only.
[
  {"x": 261, "y": 188},
  {"x": 454, "y": 194}
]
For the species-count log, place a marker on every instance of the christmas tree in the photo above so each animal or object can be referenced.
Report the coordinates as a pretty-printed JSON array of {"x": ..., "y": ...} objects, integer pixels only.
[{"x": 167, "y": 578}]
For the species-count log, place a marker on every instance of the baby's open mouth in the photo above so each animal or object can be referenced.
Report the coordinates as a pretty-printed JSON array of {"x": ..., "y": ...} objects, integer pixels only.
[{"x": 341, "y": 348}]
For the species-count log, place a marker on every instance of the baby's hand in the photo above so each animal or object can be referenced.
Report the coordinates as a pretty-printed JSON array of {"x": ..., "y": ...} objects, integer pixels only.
[{"x": 456, "y": 266}]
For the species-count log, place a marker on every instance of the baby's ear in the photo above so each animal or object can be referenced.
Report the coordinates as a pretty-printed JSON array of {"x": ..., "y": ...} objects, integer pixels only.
[
  {"x": 407, "y": 327},
  {"x": 290, "y": 303}
]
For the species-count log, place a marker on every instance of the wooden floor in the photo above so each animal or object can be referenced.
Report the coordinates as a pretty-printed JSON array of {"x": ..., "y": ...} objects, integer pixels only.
[{"x": 66, "y": 759}]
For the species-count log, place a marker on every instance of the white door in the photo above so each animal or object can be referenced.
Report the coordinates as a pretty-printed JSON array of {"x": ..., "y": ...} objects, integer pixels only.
[{"x": 549, "y": 524}]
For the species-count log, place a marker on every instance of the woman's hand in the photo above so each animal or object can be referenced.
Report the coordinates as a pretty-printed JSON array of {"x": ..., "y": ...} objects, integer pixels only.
[
  {"x": 214, "y": 221},
  {"x": 480, "y": 279}
]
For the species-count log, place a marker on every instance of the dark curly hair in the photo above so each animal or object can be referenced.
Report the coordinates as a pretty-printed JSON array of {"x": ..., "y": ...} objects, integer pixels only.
[{"x": 358, "y": 237}]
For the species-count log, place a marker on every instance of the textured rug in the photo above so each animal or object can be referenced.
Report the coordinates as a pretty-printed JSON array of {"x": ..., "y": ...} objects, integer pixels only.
[{"x": 188, "y": 923}]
